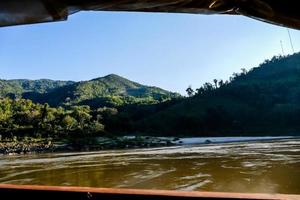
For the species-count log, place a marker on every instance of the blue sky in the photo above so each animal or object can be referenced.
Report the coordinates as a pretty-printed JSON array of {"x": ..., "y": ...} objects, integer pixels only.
[{"x": 171, "y": 51}]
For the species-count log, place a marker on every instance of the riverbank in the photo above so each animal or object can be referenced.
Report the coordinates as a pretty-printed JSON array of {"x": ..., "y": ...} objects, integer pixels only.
[
  {"x": 24, "y": 147},
  {"x": 208, "y": 140},
  {"x": 12, "y": 147},
  {"x": 124, "y": 142}
]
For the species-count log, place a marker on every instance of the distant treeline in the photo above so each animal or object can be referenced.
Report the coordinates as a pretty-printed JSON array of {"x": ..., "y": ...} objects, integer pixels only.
[{"x": 22, "y": 118}]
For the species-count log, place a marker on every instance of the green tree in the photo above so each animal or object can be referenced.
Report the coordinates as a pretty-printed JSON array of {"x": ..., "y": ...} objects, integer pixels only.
[
  {"x": 82, "y": 115},
  {"x": 69, "y": 123},
  {"x": 216, "y": 83},
  {"x": 190, "y": 91}
]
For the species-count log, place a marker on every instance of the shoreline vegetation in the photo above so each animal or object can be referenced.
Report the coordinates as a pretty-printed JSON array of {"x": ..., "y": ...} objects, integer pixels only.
[
  {"x": 25, "y": 146},
  {"x": 28, "y": 146},
  {"x": 47, "y": 116}
]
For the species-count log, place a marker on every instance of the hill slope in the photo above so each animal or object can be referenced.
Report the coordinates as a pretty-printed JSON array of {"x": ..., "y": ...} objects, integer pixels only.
[
  {"x": 265, "y": 100},
  {"x": 16, "y": 87},
  {"x": 111, "y": 90}
]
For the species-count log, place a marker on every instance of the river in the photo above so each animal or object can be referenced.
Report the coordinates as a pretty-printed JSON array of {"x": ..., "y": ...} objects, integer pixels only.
[{"x": 265, "y": 166}]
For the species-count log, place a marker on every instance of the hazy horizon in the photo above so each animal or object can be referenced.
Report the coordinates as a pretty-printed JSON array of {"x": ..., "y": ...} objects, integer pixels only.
[{"x": 170, "y": 51}]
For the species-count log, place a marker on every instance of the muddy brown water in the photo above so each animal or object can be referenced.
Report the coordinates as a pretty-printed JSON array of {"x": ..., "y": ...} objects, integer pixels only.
[{"x": 258, "y": 167}]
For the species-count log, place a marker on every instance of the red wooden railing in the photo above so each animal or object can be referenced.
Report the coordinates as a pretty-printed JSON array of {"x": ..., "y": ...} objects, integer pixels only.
[{"x": 31, "y": 192}]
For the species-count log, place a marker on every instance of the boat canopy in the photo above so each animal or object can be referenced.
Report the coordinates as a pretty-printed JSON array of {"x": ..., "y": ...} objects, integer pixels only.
[{"x": 16, "y": 12}]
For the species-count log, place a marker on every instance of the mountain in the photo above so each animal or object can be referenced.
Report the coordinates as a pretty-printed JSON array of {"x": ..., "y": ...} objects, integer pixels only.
[
  {"x": 262, "y": 101},
  {"x": 110, "y": 90},
  {"x": 16, "y": 87}
]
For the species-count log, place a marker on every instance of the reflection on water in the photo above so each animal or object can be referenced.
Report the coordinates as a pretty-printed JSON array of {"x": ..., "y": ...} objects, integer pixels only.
[{"x": 237, "y": 167}]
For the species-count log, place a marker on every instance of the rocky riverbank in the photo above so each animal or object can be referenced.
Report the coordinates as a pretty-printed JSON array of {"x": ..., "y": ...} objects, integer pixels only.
[
  {"x": 82, "y": 144},
  {"x": 107, "y": 143},
  {"x": 23, "y": 147},
  {"x": 124, "y": 142}
]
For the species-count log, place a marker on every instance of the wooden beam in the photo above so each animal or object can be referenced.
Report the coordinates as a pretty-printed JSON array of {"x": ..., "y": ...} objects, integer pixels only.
[{"x": 58, "y": 192}]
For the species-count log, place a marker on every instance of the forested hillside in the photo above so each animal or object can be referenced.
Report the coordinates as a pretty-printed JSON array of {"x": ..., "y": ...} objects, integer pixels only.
[
  {"x": 262, "y": 101},
  {"x": 45, "y": 108},
  {"x": 111, "y": 90},
  {"x": 17, "y": 87}
]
